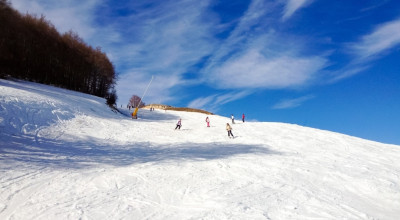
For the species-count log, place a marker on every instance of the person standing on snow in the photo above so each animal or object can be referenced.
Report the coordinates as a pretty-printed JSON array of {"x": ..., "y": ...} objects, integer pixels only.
[
  {"x": 229, "y": 129},
  {"x": 233, "y": 119},
  {"x": 243, "y": 117},
  {"x": 178, "y": 125},
  {"x": 208, "y": 121}
]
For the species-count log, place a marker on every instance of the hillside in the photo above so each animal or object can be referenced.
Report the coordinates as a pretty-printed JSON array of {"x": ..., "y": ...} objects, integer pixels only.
[{"x": 66, "y": 155}]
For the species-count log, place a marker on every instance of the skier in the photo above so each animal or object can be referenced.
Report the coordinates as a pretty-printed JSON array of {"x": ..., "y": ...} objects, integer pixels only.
[
  {"x": 208, "y": 121},
  {"x": 178, "y": 125},
  {"x": 229, "y": 129},
  {"x": 233, "y": 119},
  {"x": 243, "y": 117}
]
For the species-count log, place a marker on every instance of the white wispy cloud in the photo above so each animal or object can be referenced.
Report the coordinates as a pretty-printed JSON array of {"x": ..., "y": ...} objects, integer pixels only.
[
  {"x": 256, "y": 56},
  {"x": 213, "y": 102},
  {"x": 201, "y": 103},
  {"x": 292, "y": 103},
  {"x": 254, "y": 70},
  {"x": 230, "y": 97},
  {"x": 381, "y": 39},
  {"x": 239, "y": 35},
  {"x": 292, "y": 6},
  {"x": 166, "y": 40},
  {"x": 347, "y": 72},
  {"x": 371, "y": 46}
]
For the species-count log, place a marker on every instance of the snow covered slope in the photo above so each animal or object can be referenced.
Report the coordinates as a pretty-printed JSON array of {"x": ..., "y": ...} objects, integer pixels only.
[{"x": 66, "y": 155}]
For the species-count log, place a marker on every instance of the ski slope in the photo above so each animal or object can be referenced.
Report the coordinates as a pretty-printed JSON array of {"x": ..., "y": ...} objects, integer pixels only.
[{"x": 66, "y": 155}]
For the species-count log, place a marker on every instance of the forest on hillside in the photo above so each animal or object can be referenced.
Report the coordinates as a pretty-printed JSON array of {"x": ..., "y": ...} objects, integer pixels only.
[{"x": 32, "y": 49}]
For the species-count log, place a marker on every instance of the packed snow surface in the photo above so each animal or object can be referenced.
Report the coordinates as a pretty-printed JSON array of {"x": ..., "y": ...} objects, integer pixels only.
[{"x": 66, "y": 155}]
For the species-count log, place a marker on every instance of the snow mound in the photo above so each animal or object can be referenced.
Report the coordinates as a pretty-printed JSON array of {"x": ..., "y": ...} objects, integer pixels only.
[{"x": 66, "y": 155}]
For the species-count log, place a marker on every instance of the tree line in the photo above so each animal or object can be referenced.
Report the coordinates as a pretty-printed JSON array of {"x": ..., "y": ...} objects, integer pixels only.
[{"x": 32, "y": 49}]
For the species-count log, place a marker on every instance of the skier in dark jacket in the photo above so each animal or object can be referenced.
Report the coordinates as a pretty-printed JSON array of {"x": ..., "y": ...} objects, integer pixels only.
[{"x": 178, "y": 125}]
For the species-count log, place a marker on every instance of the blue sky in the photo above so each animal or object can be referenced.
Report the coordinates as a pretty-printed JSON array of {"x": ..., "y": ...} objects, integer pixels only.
[{"x": 332, "y": 65}]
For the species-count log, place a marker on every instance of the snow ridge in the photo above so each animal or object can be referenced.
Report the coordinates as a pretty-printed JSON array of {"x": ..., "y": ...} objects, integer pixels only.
[{"x": 66, "y": 155}]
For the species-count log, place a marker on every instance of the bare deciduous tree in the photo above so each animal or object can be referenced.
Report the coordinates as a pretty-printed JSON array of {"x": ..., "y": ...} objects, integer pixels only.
[{"x": 135, "y": 101}]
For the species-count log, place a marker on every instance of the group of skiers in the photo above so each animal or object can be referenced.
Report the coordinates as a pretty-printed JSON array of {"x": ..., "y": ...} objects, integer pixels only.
[
  {"x": 233, "y": 118},
  {"x": 228, "y": 126}
]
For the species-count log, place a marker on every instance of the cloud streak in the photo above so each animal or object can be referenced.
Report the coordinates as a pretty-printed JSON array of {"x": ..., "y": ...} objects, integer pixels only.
[
  {"x": 254, "y": 55},
  {"x": 381, "y": 39},
  {"x": 213, "y": 102},
  {"x": 165, "y": 45},
  {"x": 292, "y": 103},
  {"x": 292, "y": 6},
  {"x": 254, "y": 70}
]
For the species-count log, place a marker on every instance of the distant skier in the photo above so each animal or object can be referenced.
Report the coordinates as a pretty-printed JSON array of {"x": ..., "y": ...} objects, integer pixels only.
[
  {"x": 229, "y": 129},
  {"x": 243, "y": 117},
  {"x": 233, "y": 119},
  {"x": 208, "y": 121},
  {"x": 178, "y": 125}
]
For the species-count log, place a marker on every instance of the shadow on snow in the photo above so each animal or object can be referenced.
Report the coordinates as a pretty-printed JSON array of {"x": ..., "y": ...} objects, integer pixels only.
[{"x": 25, "y": 151}]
